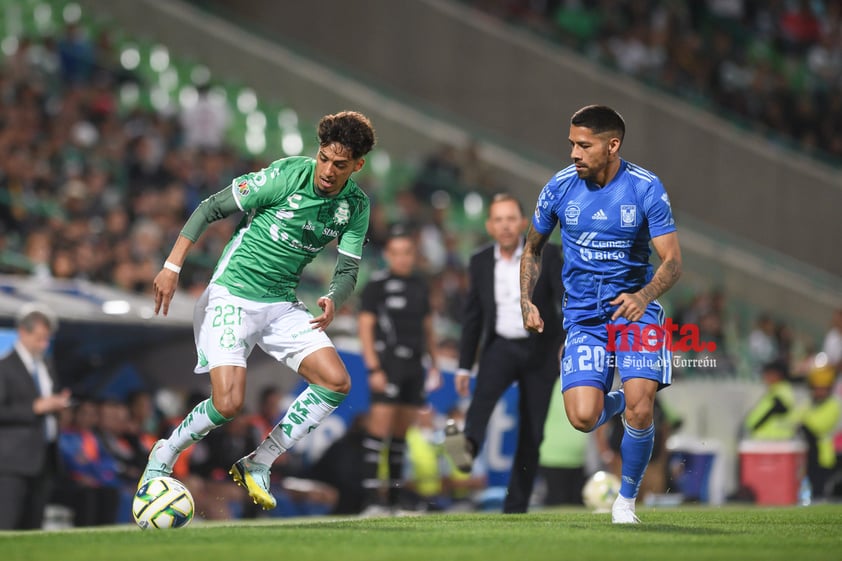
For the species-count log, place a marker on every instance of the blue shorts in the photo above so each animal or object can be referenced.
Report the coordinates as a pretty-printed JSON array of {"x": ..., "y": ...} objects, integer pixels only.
[{"x": 635, "y": 352}]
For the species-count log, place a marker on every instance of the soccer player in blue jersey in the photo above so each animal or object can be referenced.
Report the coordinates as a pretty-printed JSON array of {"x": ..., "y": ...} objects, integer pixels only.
[{"x": 608, "y": 210}]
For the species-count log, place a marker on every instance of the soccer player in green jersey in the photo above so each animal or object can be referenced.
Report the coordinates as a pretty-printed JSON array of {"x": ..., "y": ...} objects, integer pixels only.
[{"x": 292, "y": 210}]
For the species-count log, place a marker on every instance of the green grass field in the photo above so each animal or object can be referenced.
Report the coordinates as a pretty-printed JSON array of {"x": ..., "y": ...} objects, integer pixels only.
[{"x": 681, "y": 534}]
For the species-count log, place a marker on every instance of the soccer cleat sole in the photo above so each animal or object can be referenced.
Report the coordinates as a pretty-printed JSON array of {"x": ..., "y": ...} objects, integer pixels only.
[{"x": 256, "y": 496}]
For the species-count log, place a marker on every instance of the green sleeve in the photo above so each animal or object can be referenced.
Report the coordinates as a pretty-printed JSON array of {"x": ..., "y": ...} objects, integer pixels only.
[
  {"x": 217, "y": 206},
  {"x": 344, "y": 279}
]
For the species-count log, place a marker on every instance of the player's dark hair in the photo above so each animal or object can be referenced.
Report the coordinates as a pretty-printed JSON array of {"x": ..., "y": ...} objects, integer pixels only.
[
  {"x": 503, "y": 197},
  {"x": 599, "y": 119},
  {"x": 351, "y": 129}
]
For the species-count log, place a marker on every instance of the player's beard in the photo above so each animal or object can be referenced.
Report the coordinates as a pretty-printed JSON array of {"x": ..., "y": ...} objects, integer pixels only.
[
  {"x": 590, "y": 172},
  {"x": 584, "y": 172}
]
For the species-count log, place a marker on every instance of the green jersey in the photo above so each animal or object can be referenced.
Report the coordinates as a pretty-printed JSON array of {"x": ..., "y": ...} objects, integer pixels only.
[{"x": 287, "y": 223}]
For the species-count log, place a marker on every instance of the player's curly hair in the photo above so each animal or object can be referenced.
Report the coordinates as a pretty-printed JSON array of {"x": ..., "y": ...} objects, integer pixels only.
[{"x": 351, "y": 129}]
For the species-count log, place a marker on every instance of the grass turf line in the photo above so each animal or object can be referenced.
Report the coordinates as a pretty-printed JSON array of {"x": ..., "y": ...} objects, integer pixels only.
[{"x": 666, "y": 534}]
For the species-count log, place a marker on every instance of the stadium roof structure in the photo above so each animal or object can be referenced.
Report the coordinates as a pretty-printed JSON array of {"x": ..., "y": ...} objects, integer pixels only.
[
  {"x": 83, "y": 301},
  {"x": 103, "y": 329}
]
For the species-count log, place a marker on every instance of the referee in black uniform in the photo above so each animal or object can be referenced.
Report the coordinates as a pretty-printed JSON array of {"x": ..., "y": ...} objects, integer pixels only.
[
  {"x": 493, "y": 332},
  {"x": 395, "y": 329}
]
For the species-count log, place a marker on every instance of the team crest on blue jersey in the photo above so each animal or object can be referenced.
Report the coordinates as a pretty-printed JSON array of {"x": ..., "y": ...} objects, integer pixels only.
[
  {"x": 628, "y": 216},
  {"x": 571, "y": 214},
  {"x": 567, "y": 365}
]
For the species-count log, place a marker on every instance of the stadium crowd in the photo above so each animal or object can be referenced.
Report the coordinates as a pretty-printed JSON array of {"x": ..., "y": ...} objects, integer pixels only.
[
  {"x": 774, "y": 65},
  {"x": 88, "y": 191}
]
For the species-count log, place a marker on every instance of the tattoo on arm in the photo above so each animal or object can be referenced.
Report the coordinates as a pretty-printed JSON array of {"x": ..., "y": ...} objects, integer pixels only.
[
  {"x": 663, "y": 279},
  {"x": 530, "y": 266}
]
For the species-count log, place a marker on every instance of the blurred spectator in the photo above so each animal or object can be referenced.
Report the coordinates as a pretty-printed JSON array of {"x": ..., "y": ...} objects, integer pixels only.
[
  {"x": 711, "y": 330},
  {"x": 127, "y": 448},
  {"x": 762, "y": 343},
  {"x": 440, "y": 172},
  {"x": 433, "y": 482},
  {"x": 89, "y": 484},
  {"x": 76, "y": 55},
  {"x": 818, "y": 421},
  {"x": 206, "y": 120},
  {"x": 269, "y": 411},
  {"x": 142, "y": 421},
  {"x": 773, "y": 417},
  {"x": 432, "y": 235},
  {"x": 29, "y": 457},
  {"x": 473, "y": 173},
  {"x": 799, "y": 25},
  {"x": 832, "y": 345}
]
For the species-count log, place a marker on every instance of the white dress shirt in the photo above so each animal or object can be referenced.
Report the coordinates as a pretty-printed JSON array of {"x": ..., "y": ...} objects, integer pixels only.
[{"x": 507, "y": 294}]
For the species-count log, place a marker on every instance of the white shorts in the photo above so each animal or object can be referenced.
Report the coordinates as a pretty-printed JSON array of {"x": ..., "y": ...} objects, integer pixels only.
[{"x": 227, "y": 327}]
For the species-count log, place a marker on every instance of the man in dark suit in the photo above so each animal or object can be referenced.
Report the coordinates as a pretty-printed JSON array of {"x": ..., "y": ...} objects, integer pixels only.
[
  {"x": 28, "y": 427},
  {"x": 508, "y": 353}
]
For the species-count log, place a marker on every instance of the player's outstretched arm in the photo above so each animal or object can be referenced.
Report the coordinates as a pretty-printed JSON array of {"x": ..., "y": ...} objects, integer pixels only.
[
  {"x": 530, "y": 270},
  {"x": 217, "y": 206},
  {"x": 632, "y": 306},
  {"x": 166, "y": 281}
]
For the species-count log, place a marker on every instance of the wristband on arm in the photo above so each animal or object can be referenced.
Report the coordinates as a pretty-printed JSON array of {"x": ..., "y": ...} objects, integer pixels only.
[{"x": 170, "y": 266}]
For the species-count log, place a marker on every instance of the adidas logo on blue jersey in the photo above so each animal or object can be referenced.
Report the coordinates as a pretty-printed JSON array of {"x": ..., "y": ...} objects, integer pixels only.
[{"x": 599, "y": 215}]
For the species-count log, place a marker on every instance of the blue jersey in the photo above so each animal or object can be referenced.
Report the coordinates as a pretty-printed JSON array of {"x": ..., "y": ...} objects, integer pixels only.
[{"x": 605, "y": 234}]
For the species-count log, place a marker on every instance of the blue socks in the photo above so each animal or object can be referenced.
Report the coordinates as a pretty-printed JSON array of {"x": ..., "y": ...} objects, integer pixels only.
[
  {"x": 636, "y": 450},
  {"x": 615, "y": 402}
]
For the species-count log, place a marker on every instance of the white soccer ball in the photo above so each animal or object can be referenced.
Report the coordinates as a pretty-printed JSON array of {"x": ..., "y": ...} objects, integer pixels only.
[
  {"x": 162, "y": 502},
  {"x": 600, "y": 491}
]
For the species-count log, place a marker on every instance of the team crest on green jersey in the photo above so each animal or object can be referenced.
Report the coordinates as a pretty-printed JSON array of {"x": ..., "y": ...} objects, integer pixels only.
[{"x": 342, "y": 213}]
